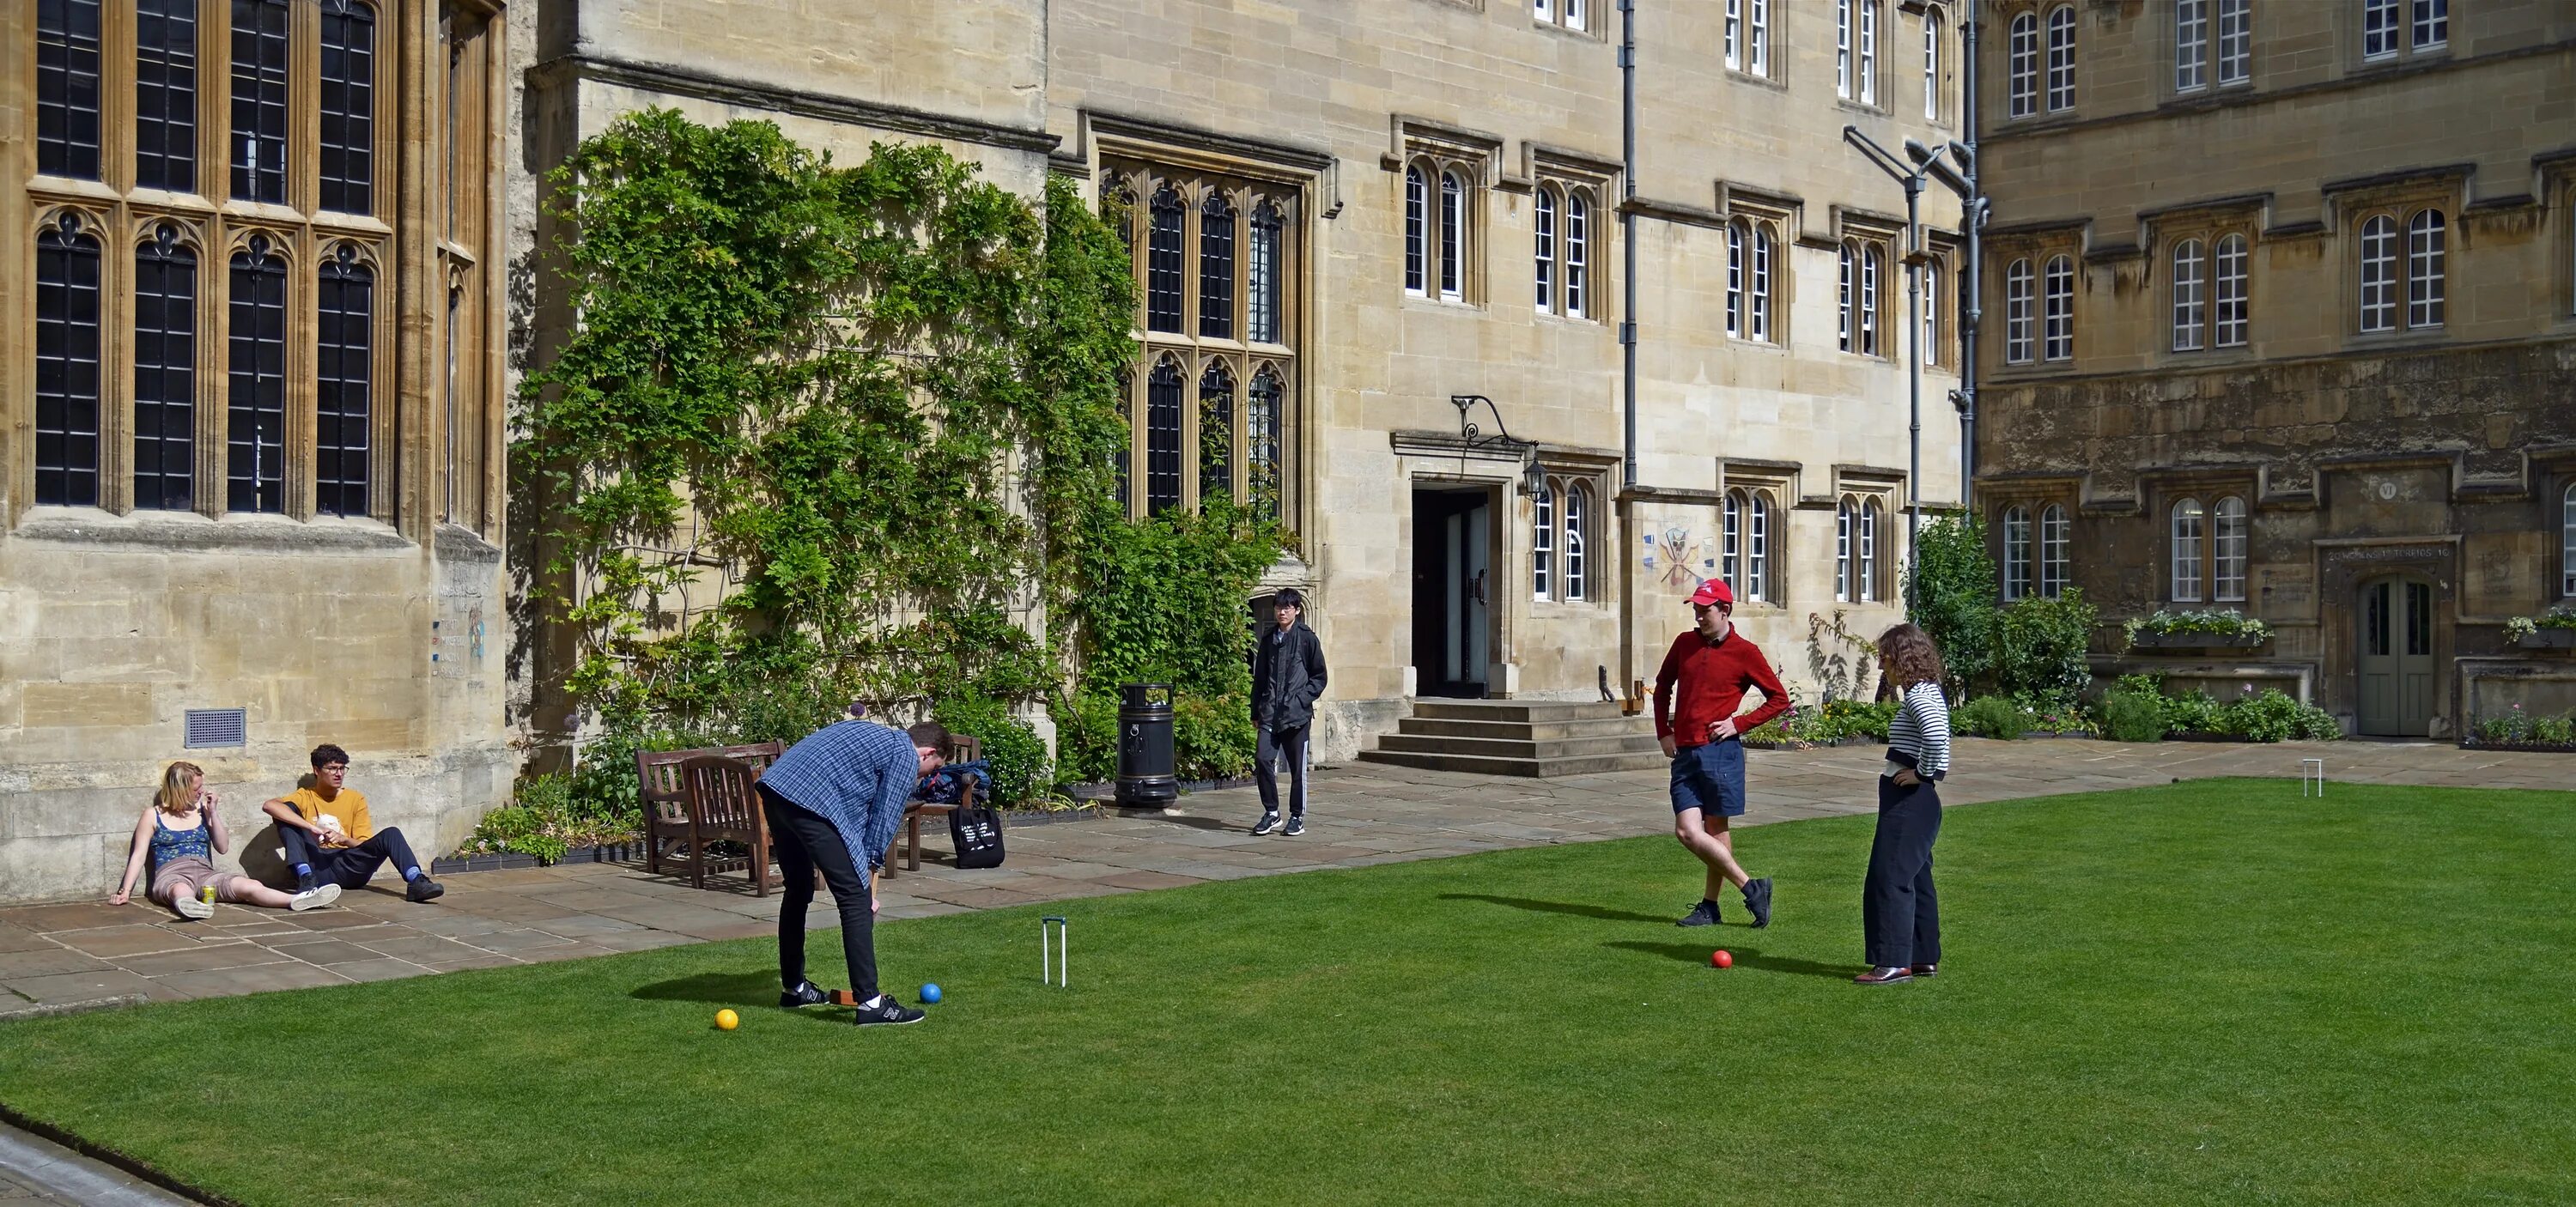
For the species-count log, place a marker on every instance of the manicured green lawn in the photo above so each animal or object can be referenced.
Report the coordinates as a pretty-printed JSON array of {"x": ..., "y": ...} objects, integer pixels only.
[{"x": 2209, "y": 993}]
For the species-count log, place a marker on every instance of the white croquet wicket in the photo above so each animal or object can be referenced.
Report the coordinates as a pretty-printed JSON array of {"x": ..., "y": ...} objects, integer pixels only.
[
  {"x": 2312, "y": 777},
  {"x": 1055, "y": 953}
]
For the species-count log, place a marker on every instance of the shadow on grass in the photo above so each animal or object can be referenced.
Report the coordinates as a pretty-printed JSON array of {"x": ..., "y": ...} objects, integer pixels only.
[
  {"x": 1745, "y": 957},
  {"x": 740, "y": 990},
  {"x": 1570, "y": 908}
]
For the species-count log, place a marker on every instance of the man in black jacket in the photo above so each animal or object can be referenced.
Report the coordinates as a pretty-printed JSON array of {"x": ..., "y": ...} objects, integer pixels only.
[{"x": 1287, "y": 676}]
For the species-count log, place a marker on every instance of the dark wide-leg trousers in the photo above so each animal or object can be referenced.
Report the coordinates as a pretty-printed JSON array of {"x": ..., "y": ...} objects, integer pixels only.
[
  {"x": 1270, "y": 748},
  {"x": 1898, "y": 909},
  {"x": 804, "y": 843},
  {"x": 348, "y": 867}
]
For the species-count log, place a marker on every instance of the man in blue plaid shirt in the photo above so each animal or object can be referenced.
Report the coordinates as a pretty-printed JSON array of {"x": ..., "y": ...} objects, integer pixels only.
[{"x": 833, "y": 802}]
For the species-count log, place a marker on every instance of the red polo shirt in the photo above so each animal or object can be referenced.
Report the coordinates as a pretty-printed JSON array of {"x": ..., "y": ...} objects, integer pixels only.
[{"x": 1714, "y": 676}]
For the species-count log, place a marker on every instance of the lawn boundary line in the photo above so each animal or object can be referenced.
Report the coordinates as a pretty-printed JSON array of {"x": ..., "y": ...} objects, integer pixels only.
[
  {"x": 111, "y": 1157},
  {"x": 55, "y": 1009}
]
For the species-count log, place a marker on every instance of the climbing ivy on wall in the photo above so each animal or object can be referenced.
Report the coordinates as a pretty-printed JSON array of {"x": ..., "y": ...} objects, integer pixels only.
[{"x": 818, "y": 431}]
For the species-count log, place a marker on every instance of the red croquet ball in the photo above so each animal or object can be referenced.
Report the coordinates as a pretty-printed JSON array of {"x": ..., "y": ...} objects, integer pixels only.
[{"x": 1719, "y": 959}]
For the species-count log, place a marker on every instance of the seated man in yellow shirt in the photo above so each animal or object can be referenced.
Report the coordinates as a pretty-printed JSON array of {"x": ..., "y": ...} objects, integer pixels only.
[{"x": 329, "y": 838}]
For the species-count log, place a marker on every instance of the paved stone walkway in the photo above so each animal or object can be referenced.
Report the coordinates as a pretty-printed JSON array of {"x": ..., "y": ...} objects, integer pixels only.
[{"x": 83, "y": 954}]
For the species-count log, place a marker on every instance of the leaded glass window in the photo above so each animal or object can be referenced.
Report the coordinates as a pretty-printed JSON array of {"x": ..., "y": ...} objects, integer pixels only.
[
  {"x": 343, "y": 375},
  {"x": 260, "y": 65},
  {"x": 348, "y": 104},
  {"x": 1216, "y": 433},
  {"x": 165, "y": 95},
  {"x": 2016, "y": 553},
  {"x": 67, "y": 88},
  {"x": 2054, "y": 533},
  {"x": 1163, "y": 436},
  {"x": 2187, "y": 521},
  {"x": 67, "y": 363},
  {"x": 1265, "y": 421},
  {"x": 165, "y": 373},
  {"x": 255, "y": 409},
  {"x": 1216, "y": 267},
  {"x": 2424, "y": 269},
  {"x": 2229, "y": 530},
  {"x": 1262, "y": 275},
  {"x": 1163, "y": 262}
]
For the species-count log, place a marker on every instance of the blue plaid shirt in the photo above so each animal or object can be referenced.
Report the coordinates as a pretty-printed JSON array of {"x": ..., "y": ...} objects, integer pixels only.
[{"x": 857, "y": 776}]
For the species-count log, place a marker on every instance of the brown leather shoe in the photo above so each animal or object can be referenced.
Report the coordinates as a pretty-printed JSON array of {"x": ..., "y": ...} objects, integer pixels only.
[
  {"x": 1926, "y": 970},
  {"x": 1884, "y": 976}
]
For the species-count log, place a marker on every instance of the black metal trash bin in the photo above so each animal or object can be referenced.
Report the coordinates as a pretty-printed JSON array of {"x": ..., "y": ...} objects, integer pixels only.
[{"x": 1145, "y": 776}]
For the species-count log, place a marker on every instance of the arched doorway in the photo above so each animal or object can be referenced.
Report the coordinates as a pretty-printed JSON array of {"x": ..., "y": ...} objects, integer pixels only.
[{"x": 2396, "y": 657}]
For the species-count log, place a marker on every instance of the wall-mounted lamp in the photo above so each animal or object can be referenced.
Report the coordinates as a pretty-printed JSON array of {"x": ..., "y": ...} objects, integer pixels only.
[{"x": 1533, "y": 477}]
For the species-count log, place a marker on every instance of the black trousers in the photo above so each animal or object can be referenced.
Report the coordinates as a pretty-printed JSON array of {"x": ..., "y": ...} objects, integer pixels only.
[
  {"x": 805, "y": 843},
  {"x": 1898, "y": 910},
  {"x": 1272, "y": 746},
  {"x": 348, "y": 867}
]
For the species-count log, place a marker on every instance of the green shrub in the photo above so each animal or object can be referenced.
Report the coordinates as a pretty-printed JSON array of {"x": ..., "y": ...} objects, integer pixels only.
[
  {"x": 2195, "y": 711},
  {"x": 2558, "y": 730},
  {"x": 539, "y": 821},
  {"x": 1952, "y": 596},
  {"x": 1086, "y": 738},
  {"x": 1854, "y": 719},
  {"x": 1212, "y": 739},
  {"x": 2269, "y": 717},
  {"x": 1013, "y": 752},
  {"x": 2129, "y": 715},
  {"x": 2040, "y": 646},
  {"x": 1991, "y": 717}
]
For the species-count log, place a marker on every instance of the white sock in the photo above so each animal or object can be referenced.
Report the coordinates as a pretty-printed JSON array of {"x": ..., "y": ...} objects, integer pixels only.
[{"x": 874, "y": 1002}]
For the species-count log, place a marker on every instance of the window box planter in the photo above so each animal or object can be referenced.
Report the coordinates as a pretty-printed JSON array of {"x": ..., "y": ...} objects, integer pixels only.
[
  {"x": 2548, "y": 639},
  {"x": 2199, "y": 641}
]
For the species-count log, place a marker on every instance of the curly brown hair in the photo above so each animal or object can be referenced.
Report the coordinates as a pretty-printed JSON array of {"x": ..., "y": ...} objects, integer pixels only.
[{"x": 1909, "y": 657}]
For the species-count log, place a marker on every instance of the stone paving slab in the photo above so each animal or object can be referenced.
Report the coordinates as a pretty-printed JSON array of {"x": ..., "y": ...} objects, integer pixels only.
[{"x": 1363, "y": 815}]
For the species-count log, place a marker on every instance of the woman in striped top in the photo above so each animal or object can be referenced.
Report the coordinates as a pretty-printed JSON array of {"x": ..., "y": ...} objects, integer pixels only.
[{"x": 1898, "y": 910}]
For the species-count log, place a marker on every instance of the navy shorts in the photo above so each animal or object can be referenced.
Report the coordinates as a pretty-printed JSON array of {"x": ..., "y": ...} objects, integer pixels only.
[{"x": 1710, "y": 778}]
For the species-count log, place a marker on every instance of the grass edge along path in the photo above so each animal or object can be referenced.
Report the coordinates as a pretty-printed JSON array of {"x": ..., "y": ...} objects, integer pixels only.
[{"x": 2210, "y": 992}]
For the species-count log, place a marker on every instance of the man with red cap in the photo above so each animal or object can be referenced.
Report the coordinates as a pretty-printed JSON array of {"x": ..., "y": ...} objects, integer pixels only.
[{"x": 1713, "y": 665}]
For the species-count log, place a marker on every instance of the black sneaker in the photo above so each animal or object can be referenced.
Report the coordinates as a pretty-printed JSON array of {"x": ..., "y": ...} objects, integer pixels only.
[
  {"x": 806, "y": 993},
  {"x": 424, "y": 889},
  {"x": 1757, "y": 898},
  {"x": 887, "y": 1011},
  {"x": 1269, "y": 824},
  {"x": 1702, "y": 914},
  {"x": 1296, "y": 825},
  {"x": 306, "y": 882}
]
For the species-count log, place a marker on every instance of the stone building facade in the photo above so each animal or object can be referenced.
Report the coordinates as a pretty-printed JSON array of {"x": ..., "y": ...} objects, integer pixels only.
[
  {"x": 274, "y": 276},
  {"x": 2281, "y": 306}
]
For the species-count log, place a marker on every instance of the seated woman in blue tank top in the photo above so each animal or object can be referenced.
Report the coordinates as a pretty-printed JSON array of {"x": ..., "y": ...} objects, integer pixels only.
[{"x": 180, "y": 834}]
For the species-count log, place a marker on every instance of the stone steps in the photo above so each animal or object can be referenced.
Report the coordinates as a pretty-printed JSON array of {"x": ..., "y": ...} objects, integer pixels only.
[{"x": 1532, "y": 738}]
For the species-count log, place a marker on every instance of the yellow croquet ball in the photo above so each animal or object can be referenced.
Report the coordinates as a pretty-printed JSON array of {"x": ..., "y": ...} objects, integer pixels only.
[{"x": 727, "y": 1020}]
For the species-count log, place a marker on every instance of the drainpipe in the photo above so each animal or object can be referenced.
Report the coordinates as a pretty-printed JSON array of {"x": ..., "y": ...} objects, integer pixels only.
[
  {"x": 1974, "y": 219},
  {"x": 1628, "y": 339}
]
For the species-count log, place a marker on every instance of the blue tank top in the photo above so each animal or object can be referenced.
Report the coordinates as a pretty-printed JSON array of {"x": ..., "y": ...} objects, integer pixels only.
[{"x": 169, "y": 844}]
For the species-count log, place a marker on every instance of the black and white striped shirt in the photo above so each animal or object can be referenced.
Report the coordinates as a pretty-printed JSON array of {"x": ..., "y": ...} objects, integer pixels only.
[{"x": 1919, "y": 738}]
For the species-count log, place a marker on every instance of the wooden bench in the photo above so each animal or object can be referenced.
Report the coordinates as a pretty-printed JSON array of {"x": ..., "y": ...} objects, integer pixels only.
[{"x": 687, "y": 807}]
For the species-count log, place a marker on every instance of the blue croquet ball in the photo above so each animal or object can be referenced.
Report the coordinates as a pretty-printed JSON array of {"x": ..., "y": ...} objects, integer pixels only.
[{"x": 930, "y": 995}]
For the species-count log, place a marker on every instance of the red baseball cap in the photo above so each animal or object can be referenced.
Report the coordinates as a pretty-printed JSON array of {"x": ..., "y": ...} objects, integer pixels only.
[{"x": 1712, "y": 591}]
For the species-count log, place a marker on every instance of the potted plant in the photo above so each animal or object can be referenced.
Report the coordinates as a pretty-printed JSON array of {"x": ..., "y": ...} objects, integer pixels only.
[
  {"x": 2212, "y": 629},
  {"x": 2553, "y": 630}
]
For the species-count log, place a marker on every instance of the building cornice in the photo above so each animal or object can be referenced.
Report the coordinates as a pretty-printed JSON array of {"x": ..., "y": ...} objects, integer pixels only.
[{"x": 681, "y": 81}]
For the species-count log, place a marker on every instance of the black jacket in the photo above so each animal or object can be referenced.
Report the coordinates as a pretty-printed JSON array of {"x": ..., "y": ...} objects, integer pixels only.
[{"x": 1287, "y": 677}]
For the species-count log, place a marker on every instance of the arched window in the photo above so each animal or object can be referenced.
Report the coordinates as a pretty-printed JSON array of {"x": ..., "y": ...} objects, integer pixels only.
[
  {"x": 1759, "y": 304},
  {"x": 1868, "y": 69},
  {"x": 255, "y": 451},
  {"x": 165, "y": 96},
  {"x": 1264, "y": 420},
  {"x": 2379, "y": 274},
  {"x": 2016, "y": 553},
  {"x": 1262, "y": 275},
  {"x": 1843, "y": 48},
  {"x": 2567, "y": 542},
  {"x": 1453, "y": 220},
  {"x": 1216, "y": 267},
  {"x": 2228, "y": 530},
  {"x": 2061, "y": 58},
  {"x": 2058, "y": 337},
  {"x": 1856, "y": 49},
  {"x": 1543, "y": 541},
  {"x": 2235, "y": 41},
  {"x": 1847, "y": 268},
  {"x": 348, "y": 104},
  {"x": 2053, "y": 533},
  {"x": 1871, "y": 260},
  {"x": 1216, "y": 434},
  {"x": 2232, "y": 308},
  {"x": 1931, "y": 66},
  {"x": 1417, "y": 221},
  {"x": 2191, "y": 45},
  {"x": 67, "y": 363},
  {"x": 2018, "y": 344},
  {"x": 260, "y": 66},
  {"x": 1730, "y": 551},
  {"x": 2024, "y": 68},
  {"x": 1163, "y": 436},
  {"x": 344, "y": 374},
  {"x": 2424, "y": 269},
  {"x": 1578, "y": 237},
  {"x": 1931, "y": 336},
  {"x": 2188, "y": 308},
  {"x": 2186, "y": 551},
  {"x": 1846, "y": 518},
  {"x": 1865, "y": 567},
  {"x": 165, "y": 373},
  {"x": 1757, "y": 547},
  {"x": 67, "y": 88},
  {"x": 1735, "y": 239},
  {"x": 1578, "y": 512},
  {"x": 1546, "y": 250},
  {"x": 1163, "y": 261}
]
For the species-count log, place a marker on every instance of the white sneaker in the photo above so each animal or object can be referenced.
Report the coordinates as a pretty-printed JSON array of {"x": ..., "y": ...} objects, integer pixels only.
[
  {"x": 194, "y": 906},
  {"x": 314, "y": 898}
]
